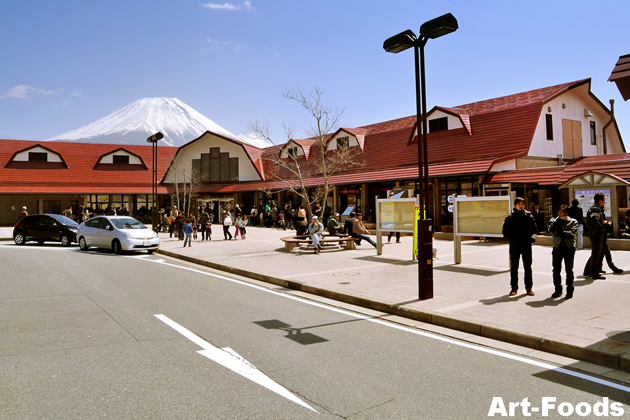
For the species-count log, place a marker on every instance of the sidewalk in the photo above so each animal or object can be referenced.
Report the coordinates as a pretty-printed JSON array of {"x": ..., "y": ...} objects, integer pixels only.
[{"x": 471, "y": 297}]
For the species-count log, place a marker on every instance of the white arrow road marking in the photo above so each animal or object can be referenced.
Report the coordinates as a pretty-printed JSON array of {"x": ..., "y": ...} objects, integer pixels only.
[{"x": 233, "y": 361}]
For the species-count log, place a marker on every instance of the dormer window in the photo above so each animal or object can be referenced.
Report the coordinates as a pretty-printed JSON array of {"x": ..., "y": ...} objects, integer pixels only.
[
  {"x": 343, "y": 142},
  {"x": 438, "y": 124},
  {"x": 36, "y": 157},
  {"x": 120, "y": 160},
  {"x": 292, "y": 152}
]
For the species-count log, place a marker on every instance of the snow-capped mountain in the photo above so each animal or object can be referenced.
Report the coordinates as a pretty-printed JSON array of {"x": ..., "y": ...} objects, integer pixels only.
[{"x": 134, "y": 123}]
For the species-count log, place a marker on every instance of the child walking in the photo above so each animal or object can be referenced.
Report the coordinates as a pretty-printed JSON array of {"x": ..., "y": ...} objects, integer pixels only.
[
  {"x": 188, "y": 231},
  {"x": 238, "y": 227},
  {"x": 241, "y": 225}
]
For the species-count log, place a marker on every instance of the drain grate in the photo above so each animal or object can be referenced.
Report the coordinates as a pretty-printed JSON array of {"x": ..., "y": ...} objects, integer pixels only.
[{"x": 623, "y": 336}]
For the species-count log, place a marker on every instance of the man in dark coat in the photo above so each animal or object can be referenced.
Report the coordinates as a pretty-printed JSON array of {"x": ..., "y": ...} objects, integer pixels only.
[
  {"x": 564, "y": 230},
  {"x": 520, "y": 229},
  {"x": 596, "y": 222}
]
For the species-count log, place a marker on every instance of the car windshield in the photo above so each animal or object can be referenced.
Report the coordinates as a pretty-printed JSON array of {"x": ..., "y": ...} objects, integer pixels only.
[
  {"x": 64, "y": 220},
  {"x": 127, "y": 223}
]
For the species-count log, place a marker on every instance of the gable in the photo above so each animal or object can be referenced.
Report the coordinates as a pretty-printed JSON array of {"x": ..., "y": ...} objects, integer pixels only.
[{"x": 198, "y": 153}]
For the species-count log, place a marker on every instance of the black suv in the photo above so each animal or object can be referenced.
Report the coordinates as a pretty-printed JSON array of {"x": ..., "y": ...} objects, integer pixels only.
[{"x": 45, "y": 227}]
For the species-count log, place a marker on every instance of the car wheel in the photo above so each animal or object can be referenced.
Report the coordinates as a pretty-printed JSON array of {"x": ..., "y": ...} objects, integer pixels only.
[
  {"x": 150, "y": 251},
  {"x": 83, "y": 246},
  {"x": 40, "y": 242},
  {"x": 65, "y": 240},
  {"x": 116, "y": 247},
  {"x": 19, "y": 239}
]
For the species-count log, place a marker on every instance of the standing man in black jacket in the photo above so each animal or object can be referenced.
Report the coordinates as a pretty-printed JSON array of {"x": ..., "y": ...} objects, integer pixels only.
[
  {"x": 596, "y": 222},
  {"x": 520, "y": 229}
]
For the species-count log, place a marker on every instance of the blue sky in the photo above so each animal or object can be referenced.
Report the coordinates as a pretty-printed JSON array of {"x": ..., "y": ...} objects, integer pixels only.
[{"x": 68, "y": 63}]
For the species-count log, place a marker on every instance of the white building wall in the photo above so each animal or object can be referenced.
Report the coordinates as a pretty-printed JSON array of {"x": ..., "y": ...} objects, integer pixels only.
[
  {"x": 23, "y": 156},
  {"x": 575, "y": 101},
  {"x": 246, "y": 169},
  {"x": 284, "y": 154}
]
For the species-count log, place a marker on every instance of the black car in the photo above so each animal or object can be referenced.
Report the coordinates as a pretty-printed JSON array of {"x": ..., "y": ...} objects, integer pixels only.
[{"x": 45, "y": 228}]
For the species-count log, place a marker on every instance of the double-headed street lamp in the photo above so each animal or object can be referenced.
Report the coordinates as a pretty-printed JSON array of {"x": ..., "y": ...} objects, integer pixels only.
[
  {"x": 434, "y": 28},
  {"x": 155, "y": 215}
]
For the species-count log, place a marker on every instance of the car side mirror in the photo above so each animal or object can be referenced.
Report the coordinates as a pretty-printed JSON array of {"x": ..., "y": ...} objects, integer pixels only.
[{"x": 108, "y": 227}]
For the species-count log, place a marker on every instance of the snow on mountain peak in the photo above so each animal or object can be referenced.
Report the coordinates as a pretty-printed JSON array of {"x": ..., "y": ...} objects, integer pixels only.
[{"x": 134, "y": 123}]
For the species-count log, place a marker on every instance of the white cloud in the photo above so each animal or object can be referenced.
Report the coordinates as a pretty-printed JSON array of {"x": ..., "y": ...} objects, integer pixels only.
[
  {"x": 75, "y": 93},
  {"x": 21, "y": 91},
  {"x": 235, "y": 44},
  {"x": 247, "y": 5}
]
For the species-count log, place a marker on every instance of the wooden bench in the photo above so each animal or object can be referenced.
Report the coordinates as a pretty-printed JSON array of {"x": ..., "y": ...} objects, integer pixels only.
[{"x": 290, "y": 242}]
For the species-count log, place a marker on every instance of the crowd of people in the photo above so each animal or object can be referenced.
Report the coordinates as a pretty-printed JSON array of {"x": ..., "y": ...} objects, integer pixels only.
[{"x": 520, "y": 229}]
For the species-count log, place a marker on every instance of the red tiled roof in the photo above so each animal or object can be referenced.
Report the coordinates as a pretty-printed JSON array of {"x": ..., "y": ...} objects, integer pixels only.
[
  {"x": 621, "y": 76},
  {"x": 617, "y": 165},
  {"x": 79, "y": 176}
]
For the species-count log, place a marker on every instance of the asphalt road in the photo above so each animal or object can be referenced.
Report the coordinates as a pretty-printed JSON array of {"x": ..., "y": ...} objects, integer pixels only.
[{"x": 96, "y": 335}]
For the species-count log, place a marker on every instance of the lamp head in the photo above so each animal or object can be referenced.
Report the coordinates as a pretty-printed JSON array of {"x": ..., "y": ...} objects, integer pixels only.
[
  {"x": 439, "y": 26},
  {"x": 400, "y": 42},
  {"x": 154, "y": 138}
]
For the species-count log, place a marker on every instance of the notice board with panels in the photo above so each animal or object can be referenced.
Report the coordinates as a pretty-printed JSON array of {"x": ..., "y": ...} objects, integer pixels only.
[
  {"x": 481, "y": 216},
  {"x": 396, "y": 215}
]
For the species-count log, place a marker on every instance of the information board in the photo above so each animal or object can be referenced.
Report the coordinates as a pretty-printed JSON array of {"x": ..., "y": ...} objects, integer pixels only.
[
  {"x": 587, "y": 200},
  {"x": 481, "y": 216},
  {"x": 396, "y": 215}
]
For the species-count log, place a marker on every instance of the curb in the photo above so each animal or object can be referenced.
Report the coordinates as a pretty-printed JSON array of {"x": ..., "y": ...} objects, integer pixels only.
[{"x": 612, "y": 360}]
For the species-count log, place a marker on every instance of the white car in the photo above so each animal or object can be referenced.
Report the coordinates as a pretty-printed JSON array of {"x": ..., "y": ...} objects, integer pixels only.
[{"x": 120, "y": 233}]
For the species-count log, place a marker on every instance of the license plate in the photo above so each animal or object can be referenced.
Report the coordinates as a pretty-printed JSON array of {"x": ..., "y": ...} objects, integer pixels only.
[{"x": 147, "y": 243}]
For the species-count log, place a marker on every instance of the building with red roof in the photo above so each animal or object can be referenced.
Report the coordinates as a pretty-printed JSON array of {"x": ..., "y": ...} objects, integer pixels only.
[{"x": 527, "y": 143}]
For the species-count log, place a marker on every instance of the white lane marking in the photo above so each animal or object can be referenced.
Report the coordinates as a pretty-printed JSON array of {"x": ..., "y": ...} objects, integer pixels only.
[
  {"x": 233, "y": 361},
  {"x": 413, "y": 331}
]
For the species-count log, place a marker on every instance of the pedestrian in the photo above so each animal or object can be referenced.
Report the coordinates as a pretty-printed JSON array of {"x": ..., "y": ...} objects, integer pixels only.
[
  {"x": 172, "y": 218},
  {"x": 227, "y": 222},
  {"x": 360, "y": 232},
  {"x": 596, "y": 223},
  {"x": 302, "y": 213},
  {"x": 281, "y": 220},
  {"x": 315, "y": 230},
  {"x": 241, "y": 224},
  {"x": 68, "y": 212},
  {"x": 274, "y": 216},
  {"x": 253, "y": 213},
  {"x": 209, "y": 227},
  {"x": 85, "y": 215},
  {"x": 288, "y": 217},
  {"x": 520, "y": 229},
  {"x": 180, "y": 222},
  {"x": 203, "y": 223},
  {"x": 389, "y": 237},
  {"x": 564, "y": 230},
  {"x": 576, "y": 212},
  {"x": 193, "y": 222},
  {"x": 188, "y": 232},
  {"x": 606, "y": 253},
  {"x": 23, "y": 213},
  {"x": 237, "y": 227}
]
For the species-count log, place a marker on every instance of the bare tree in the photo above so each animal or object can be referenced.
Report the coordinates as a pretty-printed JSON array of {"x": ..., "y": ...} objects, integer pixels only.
[
  {"x": 186, "y": 182},
  {"x": 294, "y": 169}
]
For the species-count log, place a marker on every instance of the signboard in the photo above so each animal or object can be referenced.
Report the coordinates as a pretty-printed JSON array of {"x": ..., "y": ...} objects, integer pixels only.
[
  {"x": 481, "y": 216},
  {"x": 396, "y": 215},
  {"x": 586, "y": 199}
]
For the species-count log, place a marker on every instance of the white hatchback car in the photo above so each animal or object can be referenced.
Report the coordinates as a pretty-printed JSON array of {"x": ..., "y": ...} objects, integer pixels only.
[{"x": 120, "y": 233}]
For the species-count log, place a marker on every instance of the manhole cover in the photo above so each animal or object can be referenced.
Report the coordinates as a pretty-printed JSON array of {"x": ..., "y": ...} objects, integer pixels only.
[
  {"x": 345, "y": 282},
  {"x": 623, "y": 336},
  {"x": 347, "y": 274}
]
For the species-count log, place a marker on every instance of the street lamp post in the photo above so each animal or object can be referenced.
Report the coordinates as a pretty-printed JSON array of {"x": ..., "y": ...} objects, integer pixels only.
[
  {"x": 155, "y": 215},
  {"x": 432, "y": 29}
]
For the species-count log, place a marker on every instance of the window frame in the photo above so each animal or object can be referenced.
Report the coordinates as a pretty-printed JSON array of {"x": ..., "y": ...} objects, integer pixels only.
[{"x": 549, "y": 126}]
